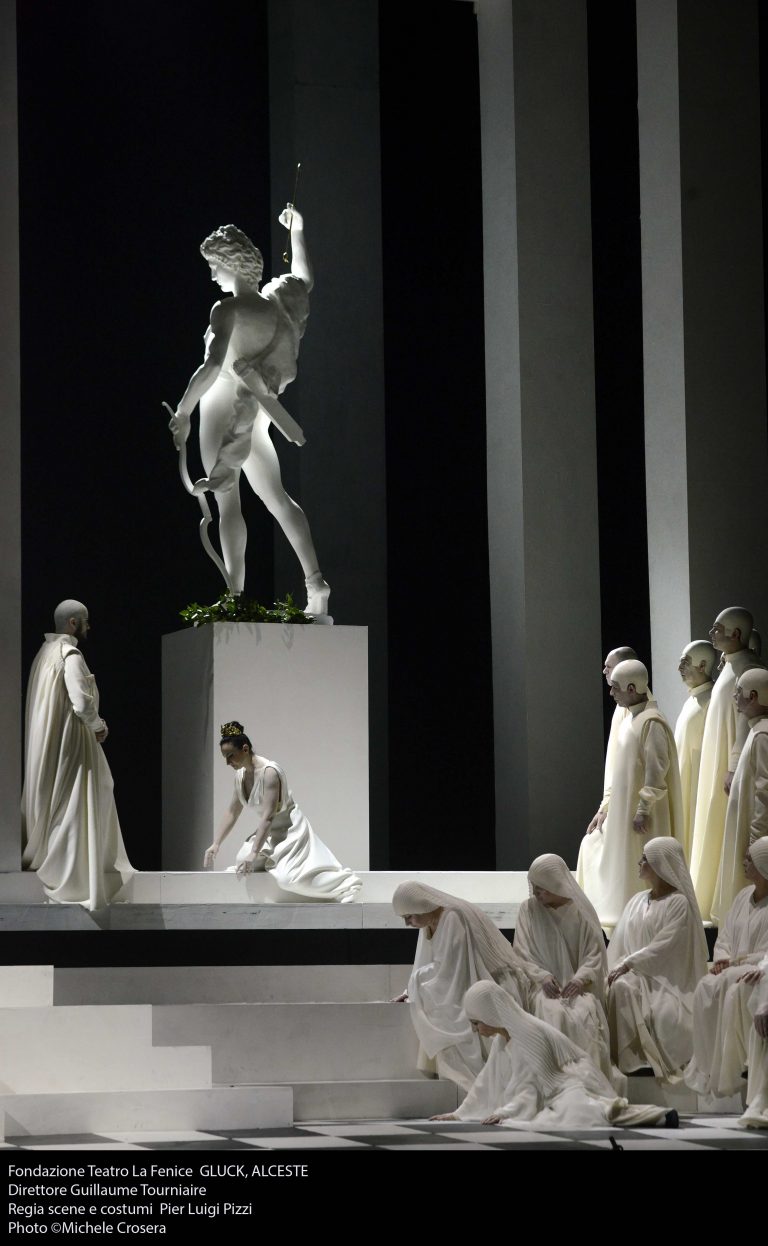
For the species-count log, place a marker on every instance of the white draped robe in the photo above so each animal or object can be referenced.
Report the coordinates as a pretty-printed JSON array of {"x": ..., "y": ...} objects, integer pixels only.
[
  {"x": 725, "y": 733},
  {"x": 577, "y": 1096},
  {"x": 746, "y": 817},
  {"x": 444, "y": 969},
  {"x": 756, "y": 1115},
  {"x": 650, "y": 1009},
  {"x": 721, "y": 1016},
  {"x": 559, "y": 943},
  {"x": 689, "y": 736},
  {"x": 70, "y": 829},
  {"x": 645, "y": 780}
]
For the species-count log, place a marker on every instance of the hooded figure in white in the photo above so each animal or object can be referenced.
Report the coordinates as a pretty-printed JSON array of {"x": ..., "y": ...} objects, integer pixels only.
[
  {"x": 70, "y": 830},
  {"x": 458, "y": 945},
  {"x": 756, "y": 1115},
  {"x": 657, "y": 956},
  {"x": 536, "y": 1077},
  {"x": 721, "y": 1015},
  {"x": 559, "y": 937}
]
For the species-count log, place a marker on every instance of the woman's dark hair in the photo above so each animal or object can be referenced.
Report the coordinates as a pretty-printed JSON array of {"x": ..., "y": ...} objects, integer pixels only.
[{"x": 234, "y": 733}]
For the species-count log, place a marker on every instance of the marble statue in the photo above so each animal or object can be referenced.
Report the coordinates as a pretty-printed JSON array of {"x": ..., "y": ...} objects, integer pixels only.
[
  {"x": 644, "y": 801},
  {"x": 70, "y": 830},
  {"x": 725, "y": 733},
  {"x": 746, "y": 816},
  {"x": 283, "y": 842},
  {"x": 251, "y": 352},
  {"x": 697, "y": 666}
]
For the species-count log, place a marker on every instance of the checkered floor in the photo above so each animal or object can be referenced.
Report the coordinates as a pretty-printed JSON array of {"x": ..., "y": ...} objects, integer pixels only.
[{"x": 696, "y": 1133}]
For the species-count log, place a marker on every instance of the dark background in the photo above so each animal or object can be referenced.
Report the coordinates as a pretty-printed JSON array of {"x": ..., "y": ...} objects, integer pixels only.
[{"x": 128, "y": 159}]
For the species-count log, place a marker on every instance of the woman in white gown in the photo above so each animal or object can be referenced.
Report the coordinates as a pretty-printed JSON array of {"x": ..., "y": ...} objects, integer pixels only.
[
  {"x": 458, "y": 945},
  {"x": 283, "y": 842},
  {"x": 657, "y": 956},
  {"x": 722, "y": 1019},
  {"x": 559, "y": 937},
  {"x": 537, "y": 1078}
]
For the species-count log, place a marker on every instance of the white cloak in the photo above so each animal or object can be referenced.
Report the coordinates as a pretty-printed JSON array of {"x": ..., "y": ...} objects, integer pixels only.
[
  {"x": 721, "y": 1016},
  {"x": 645, "y": 780},
  {"x": 560, "y": 943},
  {"x": 756, "y": 1115},
  {"x": 70, "y": 830},
  {"x": 292, "y": 853},
  {"x": 577, "y": 1096},
  {"x": 725, "y": 733},
  {"x": 444, "y": 969},
  {"x": 619, "y": 716},
  {"x": 689, "y": 735},
  {"x": 746, "y": 817},
  {"x": 650, "y": 1009}
]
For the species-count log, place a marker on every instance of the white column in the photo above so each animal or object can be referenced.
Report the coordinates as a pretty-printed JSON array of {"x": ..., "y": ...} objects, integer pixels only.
[
  {"x": 324, "y": 112},
  {"x": 542, "y": 475},
  {"x": 703, "y": 320},
  {"x": 10, "y": 467}
]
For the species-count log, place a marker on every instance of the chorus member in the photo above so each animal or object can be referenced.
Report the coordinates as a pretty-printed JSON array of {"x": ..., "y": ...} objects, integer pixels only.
[
  {"x": 457, "y": 946},
  {"x": 657, "y": 956}
]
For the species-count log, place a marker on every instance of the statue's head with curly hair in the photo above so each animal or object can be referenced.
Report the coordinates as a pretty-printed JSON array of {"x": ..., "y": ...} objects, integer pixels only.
[{"x": 233, "y": 249}]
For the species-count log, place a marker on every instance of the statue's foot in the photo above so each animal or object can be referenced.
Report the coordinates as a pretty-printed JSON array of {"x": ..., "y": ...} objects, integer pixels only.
[{"x": 318, "y": 592}]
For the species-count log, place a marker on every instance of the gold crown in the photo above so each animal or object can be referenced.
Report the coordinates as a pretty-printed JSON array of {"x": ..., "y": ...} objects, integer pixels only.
[{"x": 232, "y": 728}]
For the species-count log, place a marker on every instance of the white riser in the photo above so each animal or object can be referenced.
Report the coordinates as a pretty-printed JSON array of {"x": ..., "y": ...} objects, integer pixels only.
[
  {"x": 219, "y": 887},
  {"x": 93, "y": 1048},
  {"x": 268, "y": 1043},
  {"x": 248, "y": 1107},
  {"x": 346, "y": 1101},
  {"x": 26, "y": 986},
  {"x": 230, "y": 984},
  {"x": 648, "y": 1090}
]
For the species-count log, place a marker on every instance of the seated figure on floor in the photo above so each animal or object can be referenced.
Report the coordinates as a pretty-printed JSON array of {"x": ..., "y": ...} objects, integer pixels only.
[
  {"x": 721, "y": 1016},
  {"x": 756, "y": 1115},
  {"x": 458, "y": 945},
  {"x": 559, "y": 937},
  {"x": 538, "y": 1078},
  {"x": 283, "y": 842},
  {"x": 657, "y": 956}
]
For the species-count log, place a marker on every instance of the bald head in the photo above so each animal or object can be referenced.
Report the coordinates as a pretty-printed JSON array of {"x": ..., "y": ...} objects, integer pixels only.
[
  {"x": 731, "y": 629},
  {"x": 752, "y": 691},
  {"x": 68, "y": 617},
  {"x": 697, "y": 662},
  {"x": 630, "y": 673},
  {"x": 612, "y": 659}
]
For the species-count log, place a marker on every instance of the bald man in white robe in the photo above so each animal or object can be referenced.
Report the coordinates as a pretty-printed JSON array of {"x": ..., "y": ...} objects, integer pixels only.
[
  {"x": 622, "y": 654},
  {"x": 645, "y": 799},
  {"x": 697, "y": 665},
  {"x": 70, "y": 830},
  {"x": 725, "y": 733},
  {"x": 746, "y": 818}
]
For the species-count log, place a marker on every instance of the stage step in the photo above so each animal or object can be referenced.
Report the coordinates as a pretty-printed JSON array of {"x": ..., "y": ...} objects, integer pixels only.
[
  {"x": 94, "y": 1048},
  {"x": 229, "y": 984},
  {"x": 400, "y": 1099},
  {"x": 26, "y": 986},
  {"x": 247, "y": 1107},
  {"x": 295, "y": 1042}
]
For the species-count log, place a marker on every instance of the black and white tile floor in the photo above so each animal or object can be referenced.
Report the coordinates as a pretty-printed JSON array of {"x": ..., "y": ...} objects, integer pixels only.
[{"x": 696, "y": 1133}]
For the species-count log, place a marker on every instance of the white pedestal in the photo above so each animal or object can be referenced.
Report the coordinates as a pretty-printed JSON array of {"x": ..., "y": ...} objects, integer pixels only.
[{"x": 302, "y": 694}]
